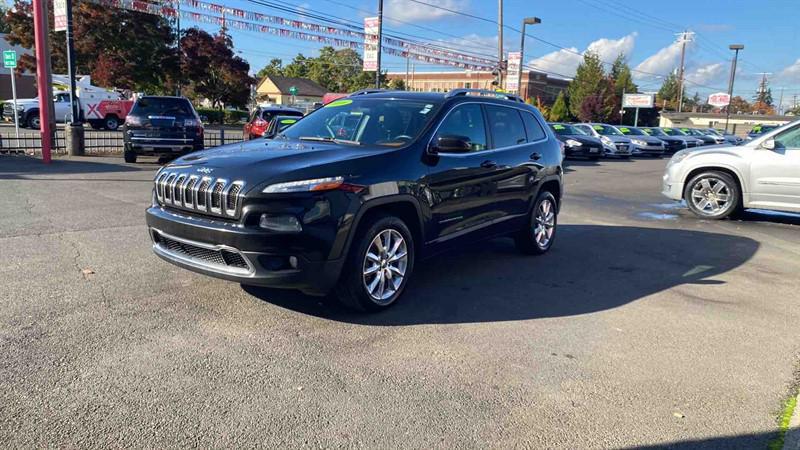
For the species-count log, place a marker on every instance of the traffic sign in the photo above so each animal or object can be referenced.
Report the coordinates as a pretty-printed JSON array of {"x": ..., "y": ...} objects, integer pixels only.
[
  {"x": 637, "y": 101},
  {"x": 293, "y": 90},
  {"x": 9, "y": 59}
]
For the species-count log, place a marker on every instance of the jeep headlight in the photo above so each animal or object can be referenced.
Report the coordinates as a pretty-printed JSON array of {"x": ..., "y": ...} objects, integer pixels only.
[
  {"x": 572, "y": 143},
  {"x": 313, "y": 185}
]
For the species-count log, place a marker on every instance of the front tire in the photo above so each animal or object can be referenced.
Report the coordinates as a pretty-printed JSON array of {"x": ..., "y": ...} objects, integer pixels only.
[
  {"x": 33, "y": 120},
  {"x": 130, "y": 157},
  {"x": 712, "y": 195},
  {"x": 378, "y": 267},
  {"x": 111, "y": 123},
  {"x": 538, "y": 237}
]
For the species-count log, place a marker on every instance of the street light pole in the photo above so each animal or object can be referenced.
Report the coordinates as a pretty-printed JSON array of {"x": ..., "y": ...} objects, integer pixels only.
[
  {"x": 500, "y": 43},
  {"x": 380, "y": 42},
  {"x": 735, "y": 48},
  {"x": 525, "y": 21}
]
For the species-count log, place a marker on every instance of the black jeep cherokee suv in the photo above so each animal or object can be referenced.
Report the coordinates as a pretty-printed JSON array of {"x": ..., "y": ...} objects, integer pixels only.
[{"x": 350, "y": 197}]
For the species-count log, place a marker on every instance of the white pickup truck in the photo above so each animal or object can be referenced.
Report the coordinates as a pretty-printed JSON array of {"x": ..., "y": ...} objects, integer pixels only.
[{"x": 101, "y": 108}]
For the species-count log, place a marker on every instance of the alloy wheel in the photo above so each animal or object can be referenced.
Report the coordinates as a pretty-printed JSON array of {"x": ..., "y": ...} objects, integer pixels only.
[
  {"x": 385, "y": 265},
  {"x": 711, "y": 195},
  {"x": 544, "y": 223}
]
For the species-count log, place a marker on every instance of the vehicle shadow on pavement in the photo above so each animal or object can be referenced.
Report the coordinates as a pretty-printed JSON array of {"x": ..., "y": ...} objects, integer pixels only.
[
  {"x": 20, "y": 167},
  {"x": 590, "y": 268}
]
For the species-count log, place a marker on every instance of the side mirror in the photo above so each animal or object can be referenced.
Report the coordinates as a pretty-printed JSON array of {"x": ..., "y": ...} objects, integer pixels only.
[
  {"x": 769, "y": 144},
  {"x": 451, "y": 144}
]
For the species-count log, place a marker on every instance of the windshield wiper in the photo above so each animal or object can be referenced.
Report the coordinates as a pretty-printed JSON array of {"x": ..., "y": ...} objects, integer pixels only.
[{"x": 328, "y": 139}]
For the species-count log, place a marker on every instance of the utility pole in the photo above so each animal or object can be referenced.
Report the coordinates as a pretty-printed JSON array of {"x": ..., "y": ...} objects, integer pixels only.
[
  {"x": 180, "y": 52},
  {"x": 780, "y": 103},
  {"x": 685, "y": 37},
  {"x": 500, "y": 42},
  {"x": 379, "y": 44},
  {"x": 44, "y": 80},
  {"x": 407, "y": 62},
  {"x": 735, "y": 48}
]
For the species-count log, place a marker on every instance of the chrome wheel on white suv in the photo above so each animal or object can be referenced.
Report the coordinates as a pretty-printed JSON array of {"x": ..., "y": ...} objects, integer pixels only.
[{"x": 712, "y": 195}]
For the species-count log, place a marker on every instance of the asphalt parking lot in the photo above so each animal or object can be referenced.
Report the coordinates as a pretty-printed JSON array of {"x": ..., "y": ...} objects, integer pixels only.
[{"x": 643, "y": 327}]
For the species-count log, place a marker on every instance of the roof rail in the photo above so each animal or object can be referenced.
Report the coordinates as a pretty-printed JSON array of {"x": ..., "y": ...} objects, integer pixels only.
[
  {"x": 368, "y": 91},
  {"x": 486, "y": 93}
]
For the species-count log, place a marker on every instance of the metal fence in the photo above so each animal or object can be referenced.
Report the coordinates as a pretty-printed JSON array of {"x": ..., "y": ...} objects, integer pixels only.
[{"x": 96, "y": 142}]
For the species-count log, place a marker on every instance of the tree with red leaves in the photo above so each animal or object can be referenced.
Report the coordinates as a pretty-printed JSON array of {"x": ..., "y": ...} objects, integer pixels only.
[
  {"x": 118, "y": 48},
  {"x": 212, "y": 69}
]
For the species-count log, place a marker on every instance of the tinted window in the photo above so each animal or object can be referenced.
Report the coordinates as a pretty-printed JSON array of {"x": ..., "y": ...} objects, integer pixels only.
[
  {"x": 567, "y": 130},
  {"x": 506, "y": 125},
  {"x": 630, "y": 131},
  {"x": 606, "y": 130},
  {"x": 532, "y": 127},
  {"x": 465, "y": 121},
  {"x": 268, "y": 115},
  {"x": 163, "y": 106}
]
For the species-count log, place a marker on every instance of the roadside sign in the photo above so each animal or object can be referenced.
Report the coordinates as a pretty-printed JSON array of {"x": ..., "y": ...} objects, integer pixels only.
[
  {"x": 637, "y": 101},
  {"x": 293, "y": 90},
  {"x": 514, "y": 67},
  {"x": 9, "y": 59},
  {"x": 60, "y": 15},
  {"x": 371, "y": 26},
  {"x": 719, "y": 99}
]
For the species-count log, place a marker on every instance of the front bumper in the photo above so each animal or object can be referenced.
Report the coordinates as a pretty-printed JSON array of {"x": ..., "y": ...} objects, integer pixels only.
[
  {"x": 214, "y": 247},
  {"x": 651, "y": 150},
  {"x": 670, "y": 186},
  {"x": 583, "y": 150},
  {"x": 617, "y": 150}
]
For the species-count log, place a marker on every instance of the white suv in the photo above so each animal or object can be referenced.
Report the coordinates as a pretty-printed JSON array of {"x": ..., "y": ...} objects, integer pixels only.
[{"x": 716, "y": 182}]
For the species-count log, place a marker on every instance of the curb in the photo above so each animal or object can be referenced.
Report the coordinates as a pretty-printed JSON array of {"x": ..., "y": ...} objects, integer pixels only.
[{"x": 792, "y": 438}]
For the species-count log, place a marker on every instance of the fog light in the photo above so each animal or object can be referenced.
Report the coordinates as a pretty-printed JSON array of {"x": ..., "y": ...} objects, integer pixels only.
[
  {"x": 284, "y": 224},
  {"x": 293, "y": 262}
]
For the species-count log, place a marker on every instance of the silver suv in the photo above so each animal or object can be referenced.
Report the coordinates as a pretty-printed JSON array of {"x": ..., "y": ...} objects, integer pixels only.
[{"x": 719, "y": 181}]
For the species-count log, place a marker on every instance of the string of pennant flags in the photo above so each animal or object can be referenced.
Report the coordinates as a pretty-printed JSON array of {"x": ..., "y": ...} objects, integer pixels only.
[{"x": 406, "y": 50}]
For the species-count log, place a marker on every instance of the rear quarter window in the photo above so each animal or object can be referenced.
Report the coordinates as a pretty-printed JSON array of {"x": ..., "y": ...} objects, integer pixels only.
[{"x": 533, "y": 128}]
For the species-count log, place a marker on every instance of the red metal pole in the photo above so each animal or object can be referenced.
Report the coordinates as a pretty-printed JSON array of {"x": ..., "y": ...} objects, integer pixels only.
[{"x": 40, "y": 28}]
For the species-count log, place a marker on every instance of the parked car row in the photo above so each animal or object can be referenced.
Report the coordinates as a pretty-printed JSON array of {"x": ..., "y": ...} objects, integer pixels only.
[{"x": 595, "y": 140}]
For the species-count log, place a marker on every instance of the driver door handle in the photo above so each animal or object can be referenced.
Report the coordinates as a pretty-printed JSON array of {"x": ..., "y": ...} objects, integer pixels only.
[{"x": 488, "y": 164}]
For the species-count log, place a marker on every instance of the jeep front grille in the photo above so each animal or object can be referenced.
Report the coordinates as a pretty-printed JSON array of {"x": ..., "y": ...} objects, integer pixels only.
[{"x": 205, "y": 195}]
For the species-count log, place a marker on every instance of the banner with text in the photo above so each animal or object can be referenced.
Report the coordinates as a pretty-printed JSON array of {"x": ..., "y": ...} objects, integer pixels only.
[
  {"x": 514, "y": 63},
  {"x": 371, "y": 25}
]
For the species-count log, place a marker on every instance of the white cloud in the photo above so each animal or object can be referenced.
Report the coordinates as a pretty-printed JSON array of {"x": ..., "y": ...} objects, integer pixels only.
[
  {"x": 473, "y": 43},
  {"x": 791, "y": 75},
  {"x": 663, "y": 62},
  {"x": 410, "y": 11},
  {"x": 709, "y": 74},
  {"x": 565, "y": 62}
]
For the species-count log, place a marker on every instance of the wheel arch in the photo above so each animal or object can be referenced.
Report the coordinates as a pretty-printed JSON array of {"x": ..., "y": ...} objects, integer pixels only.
[
  {"x": 717, "y": 168},
  {"x": 404, "y": 206}
]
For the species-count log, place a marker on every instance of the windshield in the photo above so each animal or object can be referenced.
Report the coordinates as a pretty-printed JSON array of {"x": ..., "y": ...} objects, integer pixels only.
[
  {"x": 714, "y": 132},
  {"x": 606, "y": 130},
  {"x": 366, "y": 121},
  {"x": 631, "y": 131},
  {"x": 692, "y": 132},
  {"x": 758, "y": 129},
  {"x": 162, "y": 106},
  {"x": 653, "y": 131},
  {"x": 672, "y": 132},
  {"x": 567, "y": 130}
]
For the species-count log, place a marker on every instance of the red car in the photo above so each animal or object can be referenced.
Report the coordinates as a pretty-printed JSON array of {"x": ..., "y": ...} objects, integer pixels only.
[{"x": 260, "y": 118}]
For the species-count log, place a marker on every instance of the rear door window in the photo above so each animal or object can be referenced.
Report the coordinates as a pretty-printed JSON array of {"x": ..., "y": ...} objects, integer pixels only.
[
  {"x": 533, "y": 128},
  {"x": 506, "y": 126}
]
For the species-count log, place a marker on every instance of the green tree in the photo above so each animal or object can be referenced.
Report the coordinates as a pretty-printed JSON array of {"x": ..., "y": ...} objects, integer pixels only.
[
  {"x": 298, "y": 68},
  {"x": 397, "y": 84},
  {"x": 4, "y": 25},
  {"x": 621, "y": 74},
  {"x": 118, "y": 48},
  {"x": 740, "y": 105},
  {"x": 560, "y": 111},
  {"x": 275, "y": 67},
  {"x": 587, "y": 82},
  {"x": 669, "y": 91}
]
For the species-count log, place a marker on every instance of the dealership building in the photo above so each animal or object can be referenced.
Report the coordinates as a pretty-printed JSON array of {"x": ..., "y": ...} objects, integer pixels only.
[{"x": 534, "y": 84}]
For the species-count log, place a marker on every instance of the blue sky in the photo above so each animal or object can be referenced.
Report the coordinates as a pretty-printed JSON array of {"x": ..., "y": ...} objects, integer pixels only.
[{"x": 643, "y": 30}]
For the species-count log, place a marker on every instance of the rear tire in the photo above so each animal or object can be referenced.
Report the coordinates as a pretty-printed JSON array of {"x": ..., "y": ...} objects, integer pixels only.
[
  {"x": 538, "y": 236},
  {"x": 372, "y": 279},
  {"x": 713, "y": 195},
  {"x": 111, "y": 123},
  {"x": 129, "y": 156}
]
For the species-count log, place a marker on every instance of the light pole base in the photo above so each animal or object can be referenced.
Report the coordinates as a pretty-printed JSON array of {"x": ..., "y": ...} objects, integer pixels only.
[{"x": 75, "y": 142}]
